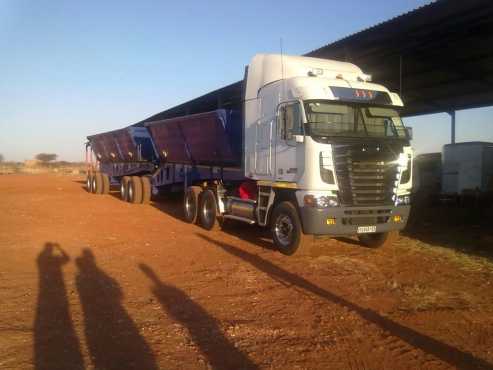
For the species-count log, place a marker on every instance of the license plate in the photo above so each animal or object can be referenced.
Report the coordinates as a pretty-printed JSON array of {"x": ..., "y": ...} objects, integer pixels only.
[{"x": 366, "y": 229}]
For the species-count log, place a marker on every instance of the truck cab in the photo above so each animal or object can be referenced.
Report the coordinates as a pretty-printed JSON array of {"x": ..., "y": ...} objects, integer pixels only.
[{"x": 320, "y": 135}]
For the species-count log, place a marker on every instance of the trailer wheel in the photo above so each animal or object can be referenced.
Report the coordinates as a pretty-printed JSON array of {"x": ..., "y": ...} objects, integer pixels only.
[
  {"x": 378, "y": 239},
  {"x": 97, "y": 183},
  {"x": 135, "y": 190},
  {"x": 286, "y": 229},
  {"x": 124, "y": 188},
  {"x": 89, "y": 182},
  {"x": 207, "y": 210},
  {"x": 146, "y": 189},
  {"x": 105, "y": 189},
  {"x": 191, "y": 204}
]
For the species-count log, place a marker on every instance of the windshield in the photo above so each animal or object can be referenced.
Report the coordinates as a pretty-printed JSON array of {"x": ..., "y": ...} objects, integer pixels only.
[{"x": 334, "y": 119}]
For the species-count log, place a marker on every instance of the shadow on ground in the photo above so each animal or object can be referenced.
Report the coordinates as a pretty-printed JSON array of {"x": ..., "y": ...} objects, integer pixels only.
[
  {"x": 464, "y": 228},
  {"x": 447, "y": 353},
  {"x": 112, "y": 337},
  {"x": 204, "y": 330},
  {"x": 172, "y": 205},
  {"x": 56, "y": 345}
]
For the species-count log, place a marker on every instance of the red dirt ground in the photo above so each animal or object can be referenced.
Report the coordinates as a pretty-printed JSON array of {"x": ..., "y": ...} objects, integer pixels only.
[{"x": 88, "y": 281}]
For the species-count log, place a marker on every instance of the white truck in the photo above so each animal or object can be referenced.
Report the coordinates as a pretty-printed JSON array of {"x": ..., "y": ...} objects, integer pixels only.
[{"x": 323, "y": 152}]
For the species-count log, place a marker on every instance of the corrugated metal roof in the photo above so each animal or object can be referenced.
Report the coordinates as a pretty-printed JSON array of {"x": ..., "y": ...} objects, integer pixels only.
[
  {"x": 439, "y": 56},
  {"x": 444, "y": 50}
]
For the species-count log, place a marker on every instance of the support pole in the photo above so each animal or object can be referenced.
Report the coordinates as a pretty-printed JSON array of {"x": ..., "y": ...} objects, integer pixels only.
[{"x": 452, "y": 133}]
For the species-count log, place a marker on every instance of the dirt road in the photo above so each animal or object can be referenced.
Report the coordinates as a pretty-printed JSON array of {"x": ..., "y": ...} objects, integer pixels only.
[{"x": 92, "y": 282}]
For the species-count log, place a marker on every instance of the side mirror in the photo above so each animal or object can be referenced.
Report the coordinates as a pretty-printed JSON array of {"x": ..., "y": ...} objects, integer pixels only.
[
  {"x": 409, "y": 133},
  {"x": 299, "y": 138}
]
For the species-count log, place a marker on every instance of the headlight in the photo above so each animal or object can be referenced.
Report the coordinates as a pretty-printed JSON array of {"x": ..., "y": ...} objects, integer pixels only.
[
  {"x": 403, "y": 200},
  {"x": 320, "y": 201},
  {"x": 406, "y": 174},
  {"x": 326, "y": 167}
]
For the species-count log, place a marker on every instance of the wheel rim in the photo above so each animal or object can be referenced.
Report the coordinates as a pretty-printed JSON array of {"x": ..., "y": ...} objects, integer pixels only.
[
  {"x": 189, "y": 206},
  {"x": 283, "y": 230},
  {"x": 93, "y": 185},
  {"x": 207, "y": 210}
]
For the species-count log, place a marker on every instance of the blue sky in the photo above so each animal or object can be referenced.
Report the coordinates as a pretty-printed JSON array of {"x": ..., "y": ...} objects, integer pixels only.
[{"x": 73, "y": 68}]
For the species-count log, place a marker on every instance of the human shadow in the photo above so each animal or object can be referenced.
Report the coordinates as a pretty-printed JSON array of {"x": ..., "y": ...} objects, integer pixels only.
[
  {"x": 112, "y": 337},
  {"x": 202, "y": 327},
  {"x": 56, "y": 345},
  {"x": 447, "y": 353}
]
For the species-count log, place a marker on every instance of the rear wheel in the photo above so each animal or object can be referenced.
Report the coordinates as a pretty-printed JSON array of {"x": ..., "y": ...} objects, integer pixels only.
[
  {"x": 146, "y": 189},
  {"x": 89, "y": 182},
  {"x": 286, "y": 229},
  {"x": 207, "y": 210},
  {"x": 378, "y": 239},
  {"x": 124, "y": 188},
  {"x": 135, "y": 190},
  {"x": 97, "y": 183},
  {"x": 191, "y": 203},
  {"x": 105, "y": 183}
]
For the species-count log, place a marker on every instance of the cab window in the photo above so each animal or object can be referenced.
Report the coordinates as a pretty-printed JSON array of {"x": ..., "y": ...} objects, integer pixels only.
[{"x": 289, "y": 122}]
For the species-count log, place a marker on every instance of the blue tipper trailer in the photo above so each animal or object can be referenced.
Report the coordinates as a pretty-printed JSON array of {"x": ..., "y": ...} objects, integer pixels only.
[{"x": 166, "y": 155}]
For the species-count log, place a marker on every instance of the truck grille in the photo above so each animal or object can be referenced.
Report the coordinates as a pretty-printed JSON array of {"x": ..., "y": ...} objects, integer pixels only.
[{"x": 366, "y": 173}]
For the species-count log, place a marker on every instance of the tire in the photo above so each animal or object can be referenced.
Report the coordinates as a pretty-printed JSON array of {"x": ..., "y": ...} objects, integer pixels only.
[
  {"x": 191, "y": 204},
  {"x": 207, "y": 210},
  {"x": 287, "y": 232},
  {"x": 378, "y": 239},
  {"x": 89, "y": 182},
  {"x": 146, "y": 189},
  {"x": 124, "y": 188},
  {"x": 105, "y": 183},
  {"x": 97, "y": 183},
  {"x": 135, "y": 190}
]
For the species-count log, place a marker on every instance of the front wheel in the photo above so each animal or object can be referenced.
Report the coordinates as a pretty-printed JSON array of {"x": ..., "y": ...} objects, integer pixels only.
[
  {"x": 286, "y": 229},
  {"x": 378, "y": 239}
]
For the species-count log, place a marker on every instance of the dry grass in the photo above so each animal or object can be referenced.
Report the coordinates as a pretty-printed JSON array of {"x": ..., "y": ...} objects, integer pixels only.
[
  {"x": 64, "y": 168},
  {"x": 479, "y": 262}
]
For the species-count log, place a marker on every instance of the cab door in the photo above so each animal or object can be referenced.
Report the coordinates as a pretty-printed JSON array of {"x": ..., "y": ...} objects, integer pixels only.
[
  {"x": 289, "y": 129},
  {"x": 263, "y": 147}
]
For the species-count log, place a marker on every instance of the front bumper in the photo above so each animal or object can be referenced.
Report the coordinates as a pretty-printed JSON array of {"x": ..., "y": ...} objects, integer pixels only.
[{"x": 338, "y": 221}]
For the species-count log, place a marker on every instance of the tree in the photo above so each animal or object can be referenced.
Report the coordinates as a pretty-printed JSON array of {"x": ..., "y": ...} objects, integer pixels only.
[
  {"x": 1, "y": 158},
  {"x": 46, "y": 157}
]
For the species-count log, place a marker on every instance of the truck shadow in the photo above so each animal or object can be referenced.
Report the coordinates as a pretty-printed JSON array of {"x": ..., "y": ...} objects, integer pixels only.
[
  {"x": 447, "y": 353},
  {"x": 56, "y": 345},
  {"x": 465, "y": 229},
  {"x": 202, "y": 327},
  {"x": 112, "y": 337},
  {"x": 253, "y": 234},
  {"x": 172, "y": 205}
]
